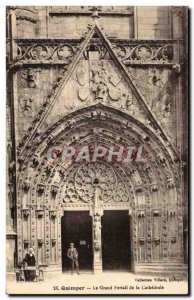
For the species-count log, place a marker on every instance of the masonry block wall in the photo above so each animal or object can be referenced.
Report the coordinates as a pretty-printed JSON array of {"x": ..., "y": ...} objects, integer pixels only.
[{"x": 122, "y": 22}]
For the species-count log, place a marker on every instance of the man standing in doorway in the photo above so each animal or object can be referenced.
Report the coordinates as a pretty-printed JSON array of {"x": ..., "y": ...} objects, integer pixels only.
[{"x": 72, "y": 254}]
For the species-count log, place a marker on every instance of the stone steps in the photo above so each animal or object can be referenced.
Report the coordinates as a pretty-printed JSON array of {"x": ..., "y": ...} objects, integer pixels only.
[{"x": 161, "y": 269}]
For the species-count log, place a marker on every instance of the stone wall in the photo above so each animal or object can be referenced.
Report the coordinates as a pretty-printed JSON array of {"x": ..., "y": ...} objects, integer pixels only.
[
  {"x": 153, "y": 22},
  {"x": 60, "y": 22}
]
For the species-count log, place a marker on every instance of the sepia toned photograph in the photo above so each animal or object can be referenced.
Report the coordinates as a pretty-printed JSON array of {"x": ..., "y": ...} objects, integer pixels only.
[{"x": 97, "y": 150}]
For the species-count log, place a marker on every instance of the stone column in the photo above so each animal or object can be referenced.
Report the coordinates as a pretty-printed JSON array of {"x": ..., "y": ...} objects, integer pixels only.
[
  {"x": 97, "y": 241},
  {"x": 11, "y": 236}
]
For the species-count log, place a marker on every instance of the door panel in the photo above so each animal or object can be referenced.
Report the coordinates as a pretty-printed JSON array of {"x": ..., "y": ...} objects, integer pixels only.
[
  {"x": 116, "y": 240},
  {"x": 76, "y": 227}
]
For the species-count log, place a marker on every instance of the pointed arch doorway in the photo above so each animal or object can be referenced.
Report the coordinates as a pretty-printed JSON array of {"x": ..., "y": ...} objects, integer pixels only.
[
  {"x": 76, "y": 227},
  {"x": 96, "y": 217},
  {"x": 115, "y": 254},
  {"x": 116, "y": 246}
]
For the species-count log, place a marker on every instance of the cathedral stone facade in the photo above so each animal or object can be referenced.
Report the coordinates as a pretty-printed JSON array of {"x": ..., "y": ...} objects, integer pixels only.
[{"x": 97, "y": 76}]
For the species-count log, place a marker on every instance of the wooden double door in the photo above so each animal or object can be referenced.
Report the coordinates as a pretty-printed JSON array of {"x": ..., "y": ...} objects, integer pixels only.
[{"x": 76, "y": 227}]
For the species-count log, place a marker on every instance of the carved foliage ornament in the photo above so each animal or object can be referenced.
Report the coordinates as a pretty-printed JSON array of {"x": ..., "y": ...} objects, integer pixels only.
[
  {"x": 28, "y": 14},
  {"x": 135, "y": 53},
  {"x": 61, "y": 52},
  {"x": 179, "y": 11}
]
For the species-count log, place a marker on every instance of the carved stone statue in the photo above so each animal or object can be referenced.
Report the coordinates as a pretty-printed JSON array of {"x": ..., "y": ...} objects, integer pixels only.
[
  {"x": 99, "y": 80},
  {"x": 97, "y": 231}
]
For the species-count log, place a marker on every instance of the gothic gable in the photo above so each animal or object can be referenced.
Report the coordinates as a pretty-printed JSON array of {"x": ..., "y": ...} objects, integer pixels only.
[{"x": 95, "y": 75}]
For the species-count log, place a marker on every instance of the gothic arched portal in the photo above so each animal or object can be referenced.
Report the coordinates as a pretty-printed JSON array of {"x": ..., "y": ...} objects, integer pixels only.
[{"x": 148, "y": 191}]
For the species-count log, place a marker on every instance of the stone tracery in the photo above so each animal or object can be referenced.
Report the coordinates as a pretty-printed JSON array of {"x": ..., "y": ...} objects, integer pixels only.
[{"x": 93, "y": 180}]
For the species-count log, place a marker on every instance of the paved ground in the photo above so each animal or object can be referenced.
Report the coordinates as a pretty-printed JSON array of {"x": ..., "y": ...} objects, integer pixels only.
[{"x": 104, "y": 283}]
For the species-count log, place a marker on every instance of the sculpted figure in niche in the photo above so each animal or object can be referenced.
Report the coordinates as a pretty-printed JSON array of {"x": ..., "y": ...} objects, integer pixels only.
[
  {"x": 129, "y": 102},
  {"x": 163, "y": 107},
  {"x": 26, "y": 106},
  {"x": 166, "y": 110},
  {"x": 97, "y": 230},
  {"x": 27, "y": 78},
  {"x": 99, "y": 81}
]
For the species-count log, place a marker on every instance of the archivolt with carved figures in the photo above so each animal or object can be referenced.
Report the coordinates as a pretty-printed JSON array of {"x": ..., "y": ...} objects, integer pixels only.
[{"x": 150, "y": 190}]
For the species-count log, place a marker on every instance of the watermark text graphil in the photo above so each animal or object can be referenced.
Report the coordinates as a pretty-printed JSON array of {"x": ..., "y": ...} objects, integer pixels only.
[{"x": 88, "y": 153}]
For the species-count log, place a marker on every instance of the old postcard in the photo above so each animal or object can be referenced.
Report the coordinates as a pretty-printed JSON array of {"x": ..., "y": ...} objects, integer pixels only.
[{"x": 97, "y": 146}]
